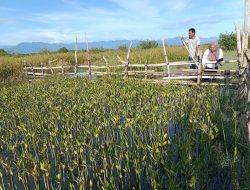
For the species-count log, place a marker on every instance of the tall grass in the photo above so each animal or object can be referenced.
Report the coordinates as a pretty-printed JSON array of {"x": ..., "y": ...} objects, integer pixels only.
[{"x": 11, "y": 64}]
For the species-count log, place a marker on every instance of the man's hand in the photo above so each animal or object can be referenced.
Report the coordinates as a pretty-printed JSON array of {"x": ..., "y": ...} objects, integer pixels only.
[
  {"x": 219, "y": 63},
  {"x": 183, "y": 41},
  {"x": 195, "y": 58}
]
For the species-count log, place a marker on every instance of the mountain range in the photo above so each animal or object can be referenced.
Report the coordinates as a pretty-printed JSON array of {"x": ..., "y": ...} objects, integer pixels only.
[{"x": 36, "y": 47}]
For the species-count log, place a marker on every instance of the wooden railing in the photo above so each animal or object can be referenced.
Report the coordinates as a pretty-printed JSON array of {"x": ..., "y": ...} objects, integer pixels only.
[{"x": 127, "y": 70}]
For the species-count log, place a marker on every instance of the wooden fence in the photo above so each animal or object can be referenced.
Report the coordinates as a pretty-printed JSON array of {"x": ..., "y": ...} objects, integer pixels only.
[{"x": 159, "y": 70}]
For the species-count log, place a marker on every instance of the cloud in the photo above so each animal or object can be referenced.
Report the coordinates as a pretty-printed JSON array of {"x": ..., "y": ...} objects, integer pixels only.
[
  {"x": 176, "y": 5},
  {"x": 9, "y": 9},
  {"x": 115, "y": 19},
  {"x": 199, "y": 21},
  {"x": 7, "y": 21},
  {"x": 42, "y": 35}
]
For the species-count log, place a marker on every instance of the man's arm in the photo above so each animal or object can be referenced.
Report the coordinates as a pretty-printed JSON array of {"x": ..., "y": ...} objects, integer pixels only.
[
  {"x": 220, "y": 58},
  {"x": 197, "y": 49},
  {"x": 183, "y": 41}
]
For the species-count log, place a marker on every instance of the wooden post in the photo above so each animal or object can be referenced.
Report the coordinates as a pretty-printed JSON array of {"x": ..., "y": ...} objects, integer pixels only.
[
  {"x": 166, "y": 59},
  {"x": 76, "y": 60},
  {"x": 25, "y": 66},
  {"x": 62, "y": 67},
  {"x": 245, "y": 35},
  {"x": 238, "y": 36},
  {"x": 88, "y": 57},
  {"x": 146, "y": 69},
  {"x": 246, "y": 87},
  {"x": 243, "y": 66},
  {"x": 246, "y": 23},
  {"x": 200, "y": 70},
  {"x": 75, "y": 69},
  {"x": 76, "y": 51},
  {"x": 107, "y": 64},
  {"x": 33, "y": 73},
  {"x": 127, "y": 62},
  {"x": 52, "y": 72},
  {"x": 42, "y": 71},
  {"x": 246, "y": 64},
  {"x": 126, "y": 70},
  {"x": 199, "y": 74}
]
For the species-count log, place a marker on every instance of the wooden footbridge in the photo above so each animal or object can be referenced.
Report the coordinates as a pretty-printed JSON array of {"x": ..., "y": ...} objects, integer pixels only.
[{"x": 156, "y": 72}]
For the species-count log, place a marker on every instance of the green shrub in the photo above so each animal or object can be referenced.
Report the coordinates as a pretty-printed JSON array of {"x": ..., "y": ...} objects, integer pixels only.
[
  {"x": 122, "y": 48},
  {"x": 97, "y": 50},
  {"x": 229, "y": 41},
  {"x": 63, "y": 50},
  {"x": 3, "y": 52},
  {"x": 147, "y": 44}
]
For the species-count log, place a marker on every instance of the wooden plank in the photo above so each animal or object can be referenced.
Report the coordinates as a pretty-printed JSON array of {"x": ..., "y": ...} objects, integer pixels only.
[
  {"x": 195, "y": 77},
  {"x": 180, "y": 63},
  {"x": 38, "y": 74},
  {"x": 210, "y": 70}
]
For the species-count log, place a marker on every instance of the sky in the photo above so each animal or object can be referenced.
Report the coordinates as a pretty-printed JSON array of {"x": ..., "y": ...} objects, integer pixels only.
[{"x": 59, "y": 21}]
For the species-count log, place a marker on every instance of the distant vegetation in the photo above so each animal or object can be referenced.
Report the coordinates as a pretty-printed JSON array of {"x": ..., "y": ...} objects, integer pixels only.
[
  {"x": 45, "y": 51},
  {"x": 229, "y": 41},
  {"x": 3, "y": 52},
  {"x": 63, "y": 50},
  {"x": 122, "y": 48},
  {"x": 147, "y": 44},
  {"x": 97, "y": 50}
]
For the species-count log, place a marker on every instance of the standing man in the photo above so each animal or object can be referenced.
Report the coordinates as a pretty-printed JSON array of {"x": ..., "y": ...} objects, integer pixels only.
[{"x": 193, "y": 44}]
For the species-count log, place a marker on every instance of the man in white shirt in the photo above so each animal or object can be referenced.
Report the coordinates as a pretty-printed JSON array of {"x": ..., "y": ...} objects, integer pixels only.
[
  {"x": 212, "y": 56},
  {"x": 193, "y": 44}
]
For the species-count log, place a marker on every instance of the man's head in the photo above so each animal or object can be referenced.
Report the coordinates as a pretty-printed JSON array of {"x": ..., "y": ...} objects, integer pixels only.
[
  {"x": 191, "y": 33},
  {"x": 213, "y": 46}
]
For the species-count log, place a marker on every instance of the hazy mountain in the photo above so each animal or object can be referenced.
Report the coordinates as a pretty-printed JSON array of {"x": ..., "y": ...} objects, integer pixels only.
[{"x": 35, "y": 47}]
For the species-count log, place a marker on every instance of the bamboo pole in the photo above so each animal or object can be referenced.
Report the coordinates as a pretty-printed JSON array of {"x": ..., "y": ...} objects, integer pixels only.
[
  {"x": 76, "y": 60},
  {"x": 62, "y": 67},
  {"x": 246, "y": 23},
  {"x": 246, "y": 66},
  {"x": 238, "y": 36},
  {"x": 107, "y": 64},
  {"x": 146, "y": 69},
  {"x": 75, "y": 69},
  {"x": 199, "y": 74},
  {"x": 25, "y": 67},
  {"x": 33, "y": 73},
  {"x": 42, "y": 70},
  {"x": 166, "y": 58},
  {"x": 243, "y": 66},
  {"x": 51, "y": 69},
  {"x": 88, "y": 56},
  {"x": 127, "y": 62}
]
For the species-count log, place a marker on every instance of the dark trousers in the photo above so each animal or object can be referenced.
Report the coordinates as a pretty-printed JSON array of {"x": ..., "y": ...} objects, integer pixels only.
[
  {"x": 193, "y": 66},
  {"x": 211, "y": 80}
]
